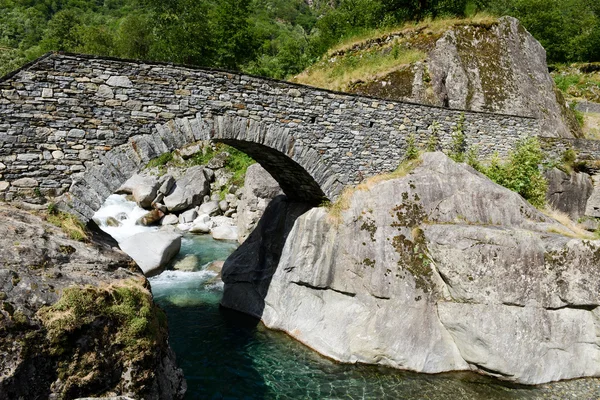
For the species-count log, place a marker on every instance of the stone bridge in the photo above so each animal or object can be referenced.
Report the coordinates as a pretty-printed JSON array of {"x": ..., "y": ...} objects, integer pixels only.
[{"x": 80, "y": 126}]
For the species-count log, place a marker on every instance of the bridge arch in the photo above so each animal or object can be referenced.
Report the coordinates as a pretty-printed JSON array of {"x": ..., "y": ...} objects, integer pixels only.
[{"x": 299, "y": 169}]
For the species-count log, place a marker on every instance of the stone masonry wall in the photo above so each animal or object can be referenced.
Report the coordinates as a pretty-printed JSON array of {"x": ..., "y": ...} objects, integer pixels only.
[{"x": 65, "y": 115}]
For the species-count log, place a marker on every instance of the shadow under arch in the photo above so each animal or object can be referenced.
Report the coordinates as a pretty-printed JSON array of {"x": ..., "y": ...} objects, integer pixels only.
[{"x": 294, "y": 180}]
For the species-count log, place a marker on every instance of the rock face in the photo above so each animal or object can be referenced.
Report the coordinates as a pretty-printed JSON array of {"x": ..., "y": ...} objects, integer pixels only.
[
  {"x": 495, "y": 67},
  {"x": 569, "y": 193},
  {"x": 259, "y": 189},
  {"x": 440, "y": 270},
  {"x": 45, "y": 353},
  {"x": 152, "y": 251},
  {"x": 249, "y": 270},
  {"x": 593, "y": 203}
]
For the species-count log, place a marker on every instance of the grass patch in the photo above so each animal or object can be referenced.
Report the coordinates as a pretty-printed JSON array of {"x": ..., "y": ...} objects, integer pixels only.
[
  {"x": 339, "y": 73},
  {"x": 428, "y": 25},
  {"x": 238, "y": 163},
  {"x": 569, "y": 228},
  {"x": 203, "y": 156},
  {"x": 342, "y": 203},
  {"x": 127, "y": 304},
  {"x": 69, "y": 224},
  {"x": 160, "y": 161},
  {"x": 577, "y": 85}
]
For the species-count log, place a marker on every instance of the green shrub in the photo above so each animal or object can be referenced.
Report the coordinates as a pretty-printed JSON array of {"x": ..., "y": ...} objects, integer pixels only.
[
  {"x": 472, "y": 158},
  {"x": 433, "y": 141},
  {"x": 459, "y": 141},
  {"x": 521, "y": 173},
  {"x": 160, "y": 161},
  {"x": 412, "y": 153}
]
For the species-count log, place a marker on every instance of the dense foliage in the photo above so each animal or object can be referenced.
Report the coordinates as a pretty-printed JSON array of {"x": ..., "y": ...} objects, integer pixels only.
[{"x": 268, "y": 37}]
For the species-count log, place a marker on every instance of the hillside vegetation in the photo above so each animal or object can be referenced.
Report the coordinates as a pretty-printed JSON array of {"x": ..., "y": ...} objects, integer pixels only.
[
  {"x": 377, "y": 53},
  {"x": 276, "y": 38}
]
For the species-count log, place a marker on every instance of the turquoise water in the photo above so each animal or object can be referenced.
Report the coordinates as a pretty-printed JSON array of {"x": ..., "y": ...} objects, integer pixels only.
[{"x": 227, "y": 355}]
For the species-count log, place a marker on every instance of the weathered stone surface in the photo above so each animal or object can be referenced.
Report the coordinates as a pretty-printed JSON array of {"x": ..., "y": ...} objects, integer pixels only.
[
  {"x": 247, "y": 272},
  {"x": 188, "y": 191},
  {"x": 188, "y": 216},
  {"x": 25, "y": 183},
  {"x": 593, "y": 204},
  {"x": 143, "y": 189},
  {"x": 166, "y": 183},
  {"x": 39, "y": 262},
  {"x": 569, "y": 193},
  {"x": 259, "y": 189},
  {"x": 494, "y": 67},
  {"x": 152, "y": 251},
  {"x": 224, "y": 232},
  {"x": 119, "y": 81},
  {"x": 4, "y": 185},
  {"x": 170, "y": 219},
  {"x": 440, "y": 270},
  {"x": 211, "y": 208}
]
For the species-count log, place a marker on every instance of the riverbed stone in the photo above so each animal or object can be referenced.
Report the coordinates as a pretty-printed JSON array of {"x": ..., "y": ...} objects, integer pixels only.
[
  {"x": 188, "y": 191},
  {"x": 224, "y": 232},
  {"x": 152, "y": 251},
  {"x": 142, "y": 187},
  {"x": 170, "y": 219},
  {"x": 211, "y": 208},
  {"x": 188, "y": 216}
]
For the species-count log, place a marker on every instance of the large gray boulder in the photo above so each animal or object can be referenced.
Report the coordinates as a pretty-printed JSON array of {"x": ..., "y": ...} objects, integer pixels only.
[
  {"x": 249, "y": 270},
  {"x": 440, "y": 270},
  {"x": 152, "y": 251},
  {"x": 569, "y": 193},
  {"x": 491, "y": 66},
  {"x": 188, "y": 191},
  {"x": 259, "y": 189},
  {"x": 143, "y": 188}
]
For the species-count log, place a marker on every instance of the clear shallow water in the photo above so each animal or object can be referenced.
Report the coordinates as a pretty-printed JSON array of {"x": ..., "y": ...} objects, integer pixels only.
[{"x": 227, "y": 355}]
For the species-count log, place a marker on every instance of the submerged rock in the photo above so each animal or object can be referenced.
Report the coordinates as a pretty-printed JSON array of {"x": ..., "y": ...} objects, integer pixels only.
[
  {"x": 438, "y": 271},
  {"x": 152, "y": 251}
]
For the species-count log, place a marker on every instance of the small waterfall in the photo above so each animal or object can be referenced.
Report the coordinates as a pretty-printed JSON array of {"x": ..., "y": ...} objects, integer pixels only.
[{"x": 118, "y": 217}]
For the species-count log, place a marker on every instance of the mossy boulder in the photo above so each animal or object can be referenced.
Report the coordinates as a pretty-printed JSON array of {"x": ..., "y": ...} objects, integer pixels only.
[
  {"x": 496, "y": 66},
  {"x": 77, "y": 319}
]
